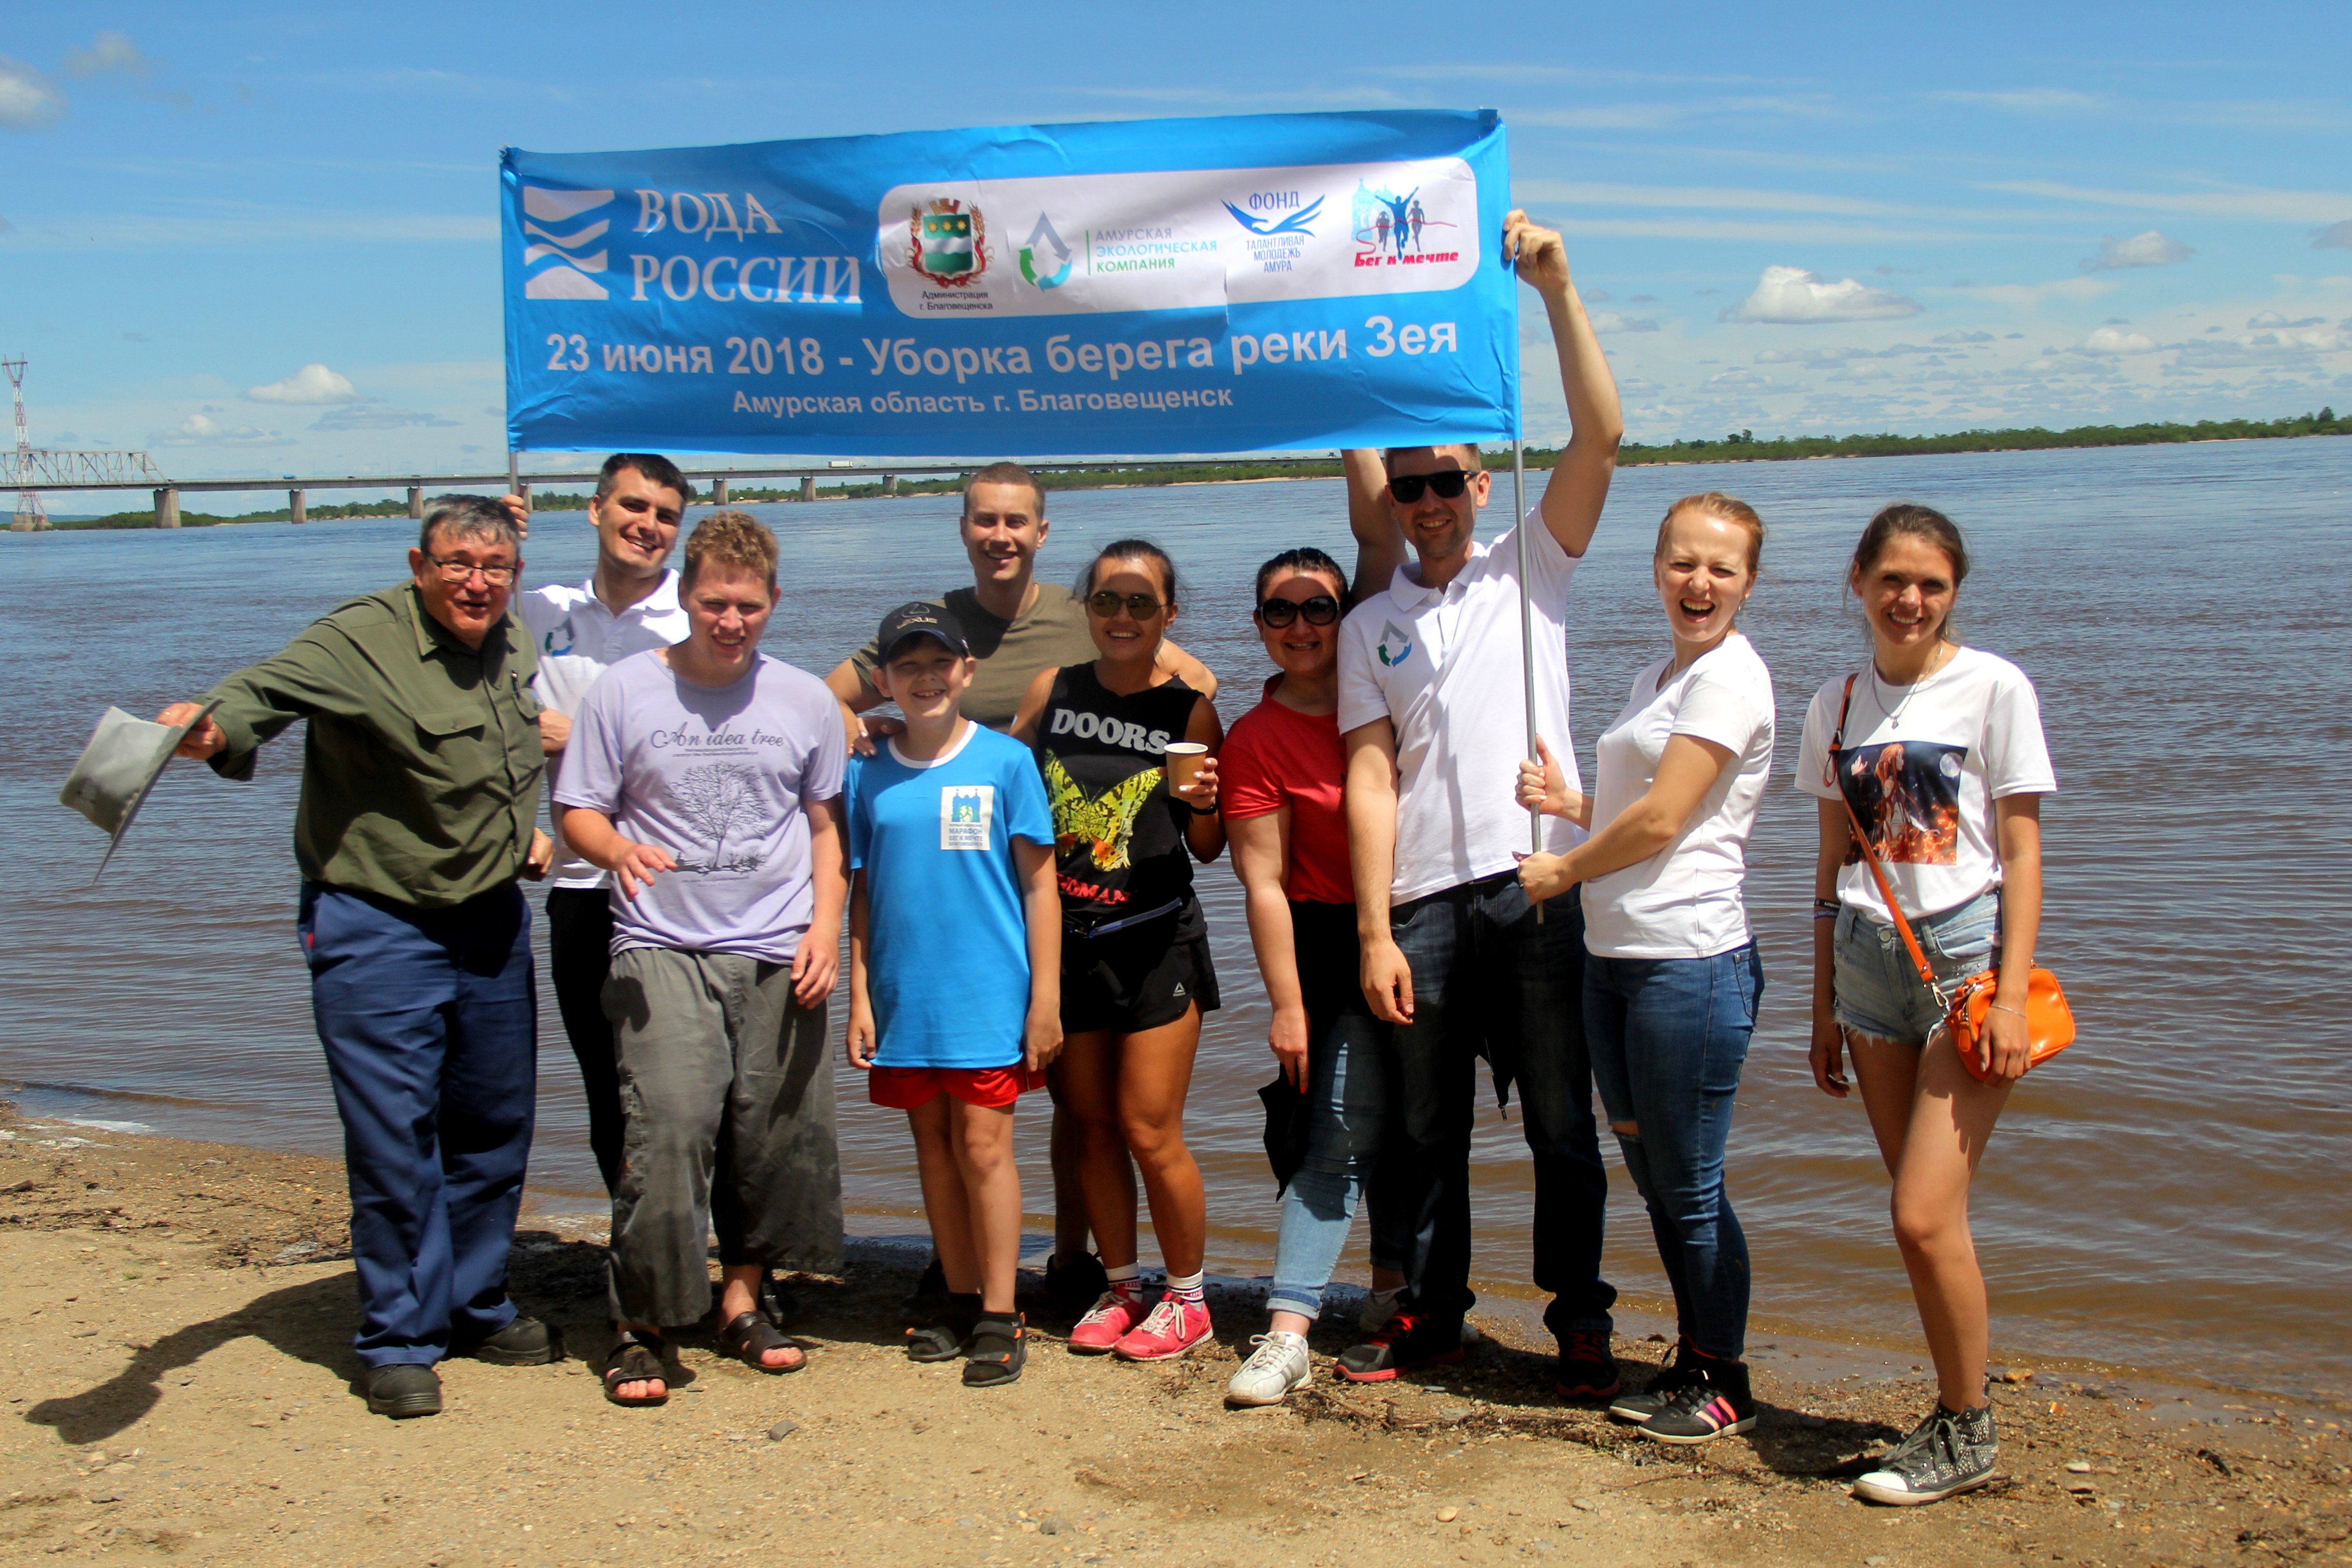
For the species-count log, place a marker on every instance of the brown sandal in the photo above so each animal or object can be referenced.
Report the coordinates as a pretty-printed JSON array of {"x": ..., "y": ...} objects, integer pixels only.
[
  {"x": 750, "y": 1336},
  {"x": 636, "y": 1357}
]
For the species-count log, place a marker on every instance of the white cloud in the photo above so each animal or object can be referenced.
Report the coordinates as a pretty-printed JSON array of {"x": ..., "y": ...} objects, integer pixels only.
[
  {"x": 1791, "y": 296},
  {"x": 2030, "y": 100},
  {"x": 1964, "y": 338},
  {"x": 2265, "y": 320},
  {"x": 2335, "y": 236},
  {"x": 27, "y": 98},
  {"x": 1610, "y": 321},
  {"x": 312, "y": 383},
  {"x": 2150, "y": 249},
  {"x": 200, "y": 430},
  {"x": 109, "y": 52},
  {"x": 2028, "y": 295},
  {"x": 2234, "y": 202},
  {"x": 379, "y": 419},
  {"x": 2117, "y": 340}
]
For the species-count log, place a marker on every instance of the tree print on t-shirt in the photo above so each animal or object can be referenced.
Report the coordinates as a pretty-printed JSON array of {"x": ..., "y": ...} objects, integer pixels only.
[
  {"x": 717, "y": 797},
  {"x": 1908, "y": 796}
]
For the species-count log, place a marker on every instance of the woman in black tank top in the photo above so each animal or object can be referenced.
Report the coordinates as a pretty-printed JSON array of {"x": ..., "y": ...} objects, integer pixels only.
[{"x": 1136, "y": 975}]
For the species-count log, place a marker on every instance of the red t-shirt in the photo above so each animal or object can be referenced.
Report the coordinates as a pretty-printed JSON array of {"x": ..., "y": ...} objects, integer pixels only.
[{"x": 1275, "y": 757}]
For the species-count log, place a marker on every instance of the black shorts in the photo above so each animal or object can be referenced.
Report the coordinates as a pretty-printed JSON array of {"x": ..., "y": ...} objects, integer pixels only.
[{"x": 1138, "y": 978}]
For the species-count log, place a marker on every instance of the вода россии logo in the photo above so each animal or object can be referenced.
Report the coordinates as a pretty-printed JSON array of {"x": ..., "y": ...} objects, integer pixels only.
[
  {"x": 568, "y": 278},
  {"x": 1395, "y": 645},
  {"x": 950, "y": 242},
  {"x": 1044, "y": 259}
]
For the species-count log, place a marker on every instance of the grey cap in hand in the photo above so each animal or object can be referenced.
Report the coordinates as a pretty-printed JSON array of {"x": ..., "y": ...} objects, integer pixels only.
[{"x": 111, "y": 777}]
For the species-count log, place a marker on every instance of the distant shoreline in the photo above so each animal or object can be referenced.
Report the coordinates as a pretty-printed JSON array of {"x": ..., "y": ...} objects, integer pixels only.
[{"x": 1740, "y": 446}]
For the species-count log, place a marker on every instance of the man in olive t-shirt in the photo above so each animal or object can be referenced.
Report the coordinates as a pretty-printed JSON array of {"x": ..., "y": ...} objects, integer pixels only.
[{"x": 1016, "y": 625}]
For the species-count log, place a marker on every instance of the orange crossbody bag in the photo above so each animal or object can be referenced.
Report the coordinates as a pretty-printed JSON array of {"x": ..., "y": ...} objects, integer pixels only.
[{"x": 2049, "y": 1021}]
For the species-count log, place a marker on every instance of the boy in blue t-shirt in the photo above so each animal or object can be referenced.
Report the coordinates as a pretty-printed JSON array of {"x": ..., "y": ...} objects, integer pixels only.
[{"x": 955, "y": 964}]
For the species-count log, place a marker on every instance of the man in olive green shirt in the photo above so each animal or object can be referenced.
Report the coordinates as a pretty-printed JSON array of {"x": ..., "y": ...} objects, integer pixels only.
[{"x": 420, "y": 782}]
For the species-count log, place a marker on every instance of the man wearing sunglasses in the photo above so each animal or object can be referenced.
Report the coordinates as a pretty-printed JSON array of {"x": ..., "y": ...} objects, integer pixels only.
[
  {"x": 420, "y": 781},
  {"x": 1453, "y": 955}
]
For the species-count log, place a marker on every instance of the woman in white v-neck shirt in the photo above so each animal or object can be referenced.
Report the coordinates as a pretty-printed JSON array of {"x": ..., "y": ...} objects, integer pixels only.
[
  {"x": 1670, "y": 976},
  {"x": 1937, "y": 751}
]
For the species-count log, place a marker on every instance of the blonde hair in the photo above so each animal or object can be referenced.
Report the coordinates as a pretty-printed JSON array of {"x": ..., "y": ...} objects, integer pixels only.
[
  {"x": 731, "y": 539},
  {"x": 1716, "y": 503}
]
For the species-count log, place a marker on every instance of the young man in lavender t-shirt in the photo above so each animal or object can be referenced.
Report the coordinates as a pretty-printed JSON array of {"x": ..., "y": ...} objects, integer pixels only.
[{"x": 707, "y": 778}]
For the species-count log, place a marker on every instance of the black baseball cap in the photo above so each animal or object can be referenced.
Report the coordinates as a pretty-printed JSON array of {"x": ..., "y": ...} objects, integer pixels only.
[{"x": 920, "y": 619}]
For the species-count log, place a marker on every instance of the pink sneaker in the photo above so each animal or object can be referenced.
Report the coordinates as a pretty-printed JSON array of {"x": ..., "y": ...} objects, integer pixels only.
[
  {"x": 1174, "y": 1328},
  {"x": 1106, "y": 1324}
]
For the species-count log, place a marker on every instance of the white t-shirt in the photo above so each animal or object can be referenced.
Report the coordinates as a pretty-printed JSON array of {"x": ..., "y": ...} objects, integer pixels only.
[
  {"x": 1922, "y": 766},
  {"x": 1685, "y": 902},
  {"x": 1443, "y": 666},
  {"x": 577, "y": 639}
]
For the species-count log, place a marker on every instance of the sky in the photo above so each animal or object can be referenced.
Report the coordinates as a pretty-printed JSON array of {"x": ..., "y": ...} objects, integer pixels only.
[{"x": 257, "y": 238}]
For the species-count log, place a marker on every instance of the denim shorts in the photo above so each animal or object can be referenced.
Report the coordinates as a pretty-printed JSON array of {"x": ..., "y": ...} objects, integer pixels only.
[{"x": 1878, "y": 989}]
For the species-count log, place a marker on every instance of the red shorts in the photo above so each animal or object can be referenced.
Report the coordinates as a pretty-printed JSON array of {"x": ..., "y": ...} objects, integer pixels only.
[{"x": 992, "y": 1088}]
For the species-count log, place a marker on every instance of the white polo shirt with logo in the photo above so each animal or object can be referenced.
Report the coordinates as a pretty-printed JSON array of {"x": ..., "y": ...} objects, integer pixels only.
[
  {"x": 1443, "y": 666},
  {"x": 577, "y": 637}
]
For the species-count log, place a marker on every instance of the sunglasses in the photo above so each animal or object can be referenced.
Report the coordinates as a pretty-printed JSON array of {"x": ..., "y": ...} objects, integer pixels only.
[
  {"x": 1320, "y": 610},
  {"x": 1449, "y": 483},
  {"x": 1105, "y": 604}
]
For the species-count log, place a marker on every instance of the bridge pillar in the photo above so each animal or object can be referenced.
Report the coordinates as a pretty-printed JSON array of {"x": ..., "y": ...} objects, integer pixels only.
[
  {"x": 167, "y": 507},
  {"x": 417, "y": 502},
  {"x": 808, "y": 487},
  {"x": 297, "y": 512},
  {"x": 889, "y": 483},
  {"x": 719, "y": 491}
]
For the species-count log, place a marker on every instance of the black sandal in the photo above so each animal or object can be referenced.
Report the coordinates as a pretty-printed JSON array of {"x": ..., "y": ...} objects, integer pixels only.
[
  {"x": 636, "y": 1356},
  {"x": 748, "y": 1336},
  {"x": 1000, "y": 1349},
  {"x": 946, "y": 1336}
]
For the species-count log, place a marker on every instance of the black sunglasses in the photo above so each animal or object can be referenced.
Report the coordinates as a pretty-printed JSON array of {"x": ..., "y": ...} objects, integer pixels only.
[
  {"x": 1105, "y": 604},
  {"x": 1449, "y": 483},
  {"x": 1319, "y": 611}
]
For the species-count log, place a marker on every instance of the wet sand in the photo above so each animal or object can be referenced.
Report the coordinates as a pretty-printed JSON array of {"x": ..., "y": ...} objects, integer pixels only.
[{"x": 179, "y": 1315}]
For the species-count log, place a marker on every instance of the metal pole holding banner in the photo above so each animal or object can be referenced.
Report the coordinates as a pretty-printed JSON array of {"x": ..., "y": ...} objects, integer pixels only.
[{"x": 1527, "y": 631}]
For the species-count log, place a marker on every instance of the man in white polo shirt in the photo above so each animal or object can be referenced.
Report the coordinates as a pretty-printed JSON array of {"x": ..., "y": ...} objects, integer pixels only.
[
  {"x": 1454, "y": 957},
  {"x": 628, "y": 606}
]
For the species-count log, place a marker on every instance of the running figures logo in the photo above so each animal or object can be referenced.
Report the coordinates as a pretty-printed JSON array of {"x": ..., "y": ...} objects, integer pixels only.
[
  {"x": 1395, "y": 645},
  {"x": 1045, "y": 259},
  {"x": 949, "y": 242},
  {"x": 575, "y": 253}
]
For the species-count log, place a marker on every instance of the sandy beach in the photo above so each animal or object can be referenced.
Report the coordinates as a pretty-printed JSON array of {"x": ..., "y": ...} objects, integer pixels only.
[{"x": 181, "y": 1313}]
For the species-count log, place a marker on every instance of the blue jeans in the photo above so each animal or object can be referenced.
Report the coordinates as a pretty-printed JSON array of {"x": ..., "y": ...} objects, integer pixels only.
[
  {"x": 1348, "y": 1100},
  {"x": 1489, "y": 980},
  {"x": 1877, "y": 988},
  {"x": 429, "y": 1018},
  {"x": 1669, "y": 1037}
]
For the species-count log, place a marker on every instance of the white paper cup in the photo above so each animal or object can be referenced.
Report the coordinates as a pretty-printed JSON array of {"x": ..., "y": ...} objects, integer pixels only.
[{"x": 1184, "y": 760}]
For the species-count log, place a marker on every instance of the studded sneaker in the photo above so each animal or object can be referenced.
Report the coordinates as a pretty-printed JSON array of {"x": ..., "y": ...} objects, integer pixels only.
[
  {"x": 1950, "y": 1451},
  {"x": 1275, "y": 1367}
]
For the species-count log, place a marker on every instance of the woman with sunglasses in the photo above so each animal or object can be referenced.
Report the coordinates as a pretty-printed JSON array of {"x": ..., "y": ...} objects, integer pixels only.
[
  {"x": 1136, "y": 975},
  {"x": 1285, "y": 775}
]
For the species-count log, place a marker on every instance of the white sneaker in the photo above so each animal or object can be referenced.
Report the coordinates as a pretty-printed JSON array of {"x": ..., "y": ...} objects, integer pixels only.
[{"x": 1275, "y": 1367}]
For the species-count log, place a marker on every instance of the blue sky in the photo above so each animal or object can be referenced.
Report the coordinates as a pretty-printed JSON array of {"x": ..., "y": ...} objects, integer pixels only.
[{"x": 1838, "y": 217}]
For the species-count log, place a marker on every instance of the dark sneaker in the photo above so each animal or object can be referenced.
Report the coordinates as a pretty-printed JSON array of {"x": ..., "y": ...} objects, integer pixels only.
[
  {"x": 1639, "y": 1407},
  {"x": 525, "y": 1342},
  {"x": 1406, "y": 1343},
  {"x": 404, "y": 1391},
  {"x": 1713, "y": 1401},
  {"x": 1075, "y": 1286},
  {"x": 928, "y": 1300},
  {"x": 1585, "y": 1369},
  {"x": 1950, "y": 1451}
]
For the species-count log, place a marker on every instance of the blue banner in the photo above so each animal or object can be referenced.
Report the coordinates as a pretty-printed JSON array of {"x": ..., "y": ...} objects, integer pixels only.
[{"x": 1259, "y": 283}]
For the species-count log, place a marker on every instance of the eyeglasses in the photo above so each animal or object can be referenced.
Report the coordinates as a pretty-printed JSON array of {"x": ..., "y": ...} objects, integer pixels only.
[
  {"x": 1449, "y": 483},
  {"x": 1105, "y": 604},
  {"x": 455, "y": 572},
  {"x": 1319, "y": 611}
]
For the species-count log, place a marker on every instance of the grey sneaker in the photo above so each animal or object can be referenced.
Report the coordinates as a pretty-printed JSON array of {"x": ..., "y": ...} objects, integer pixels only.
[
  {"x": 1671, "y": 1379},
  {"x": 1950, "y": 1452},
  {"x": 1277, "y": 1366}
]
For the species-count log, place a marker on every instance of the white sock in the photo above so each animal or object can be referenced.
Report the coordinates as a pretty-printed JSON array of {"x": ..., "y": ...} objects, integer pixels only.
[{"x": 1124, "y": 1280}]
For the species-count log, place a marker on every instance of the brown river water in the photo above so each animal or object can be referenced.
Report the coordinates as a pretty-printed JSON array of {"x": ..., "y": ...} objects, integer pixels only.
[{"x": 2175, "y": 1193}]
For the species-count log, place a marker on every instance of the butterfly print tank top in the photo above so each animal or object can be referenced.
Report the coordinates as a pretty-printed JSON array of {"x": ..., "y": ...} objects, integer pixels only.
[{"x": 1119, "y": 834}]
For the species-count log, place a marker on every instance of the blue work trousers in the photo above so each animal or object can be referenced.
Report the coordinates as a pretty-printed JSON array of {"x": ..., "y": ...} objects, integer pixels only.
[
  {"x": 429, "y": 1018},
  {"x": 1489, "y": 980},
  {"x": 1669, "y": 1037}
]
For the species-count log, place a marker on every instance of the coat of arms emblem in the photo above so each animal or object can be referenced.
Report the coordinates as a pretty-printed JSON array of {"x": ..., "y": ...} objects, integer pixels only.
[{"x": 950, "y": 242}]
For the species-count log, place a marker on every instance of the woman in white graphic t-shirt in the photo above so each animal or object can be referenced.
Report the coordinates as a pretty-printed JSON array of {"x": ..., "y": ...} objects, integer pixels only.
[
  {"x": 1938, "y": 751},
  {"x": 1671, "y": 976}
]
